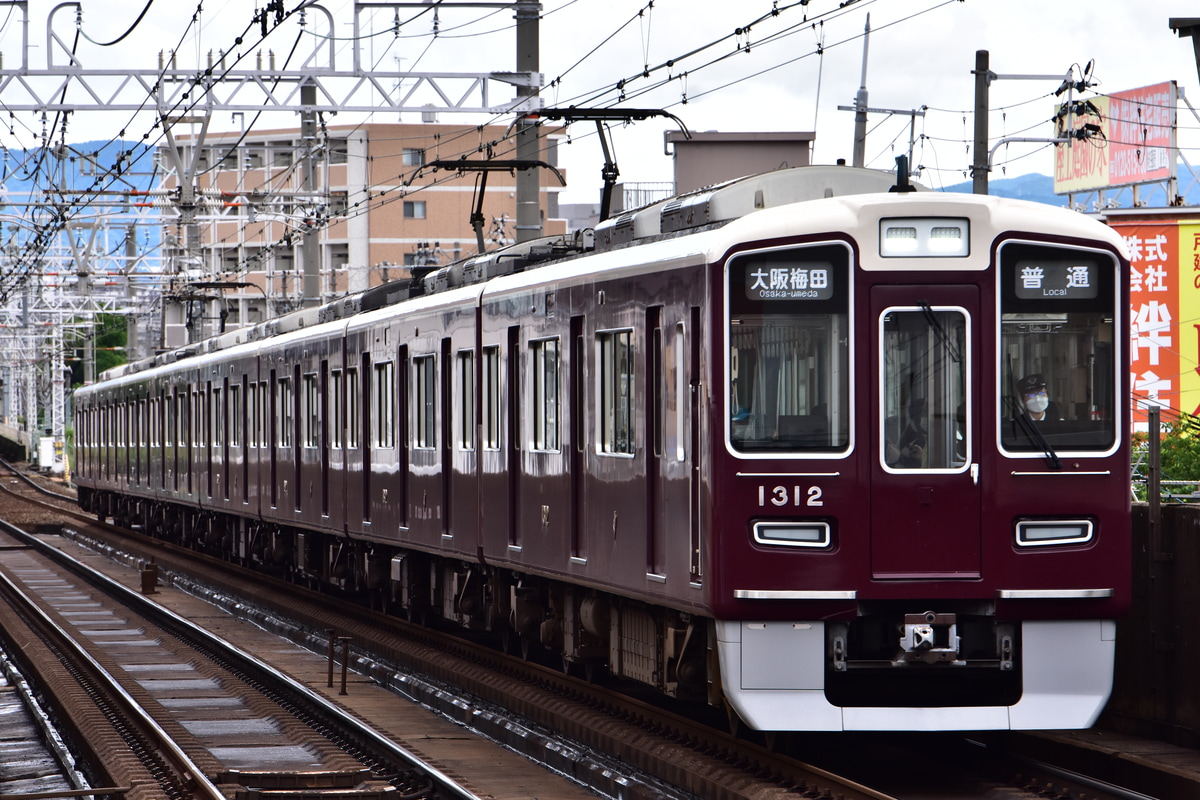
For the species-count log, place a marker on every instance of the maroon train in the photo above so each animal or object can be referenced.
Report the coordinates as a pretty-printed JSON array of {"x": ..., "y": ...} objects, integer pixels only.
[{"x": 839, "y": 457}]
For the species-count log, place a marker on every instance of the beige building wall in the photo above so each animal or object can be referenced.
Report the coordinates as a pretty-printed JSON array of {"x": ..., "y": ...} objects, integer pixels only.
[
  {"x": 716, "y": 156},
  {"x": 387, "y": 212}
]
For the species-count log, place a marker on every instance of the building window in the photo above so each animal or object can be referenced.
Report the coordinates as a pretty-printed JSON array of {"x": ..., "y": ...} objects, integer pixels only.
[
  {"x": 413, "y": 157},
  {"x": 281, "y": 153},
  {"x": 414, "y": 209},
  {"x": 338, "y": 151},
  {"x": 545, "y": 394},
  {"x": 615, "y": 357}
]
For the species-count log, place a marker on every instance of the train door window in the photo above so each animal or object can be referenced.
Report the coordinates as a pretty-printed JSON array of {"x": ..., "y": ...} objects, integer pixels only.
[
  {"x": 678, "y": 402},
  {"x": 352, "y": 409},
  {"x": 143, "y": 426},
  {"x": 465, "y": 405},
  {"x": 284, "y": 410},
  {"x": 545, "y": 395},
  {"x": 337, "y": 394},
  {"x": 253, "y": 402},
  {"x": 1058, "y": 350},
  {"x": 168, "y": 420},
  {"x": 924, "y": 377},
  {"x": 218, "y": 418},
  {"x": 654, "y": 372},
  {"x": 155, "y": 421},
  {"x": 235, "y": 419},
  {"x": 788, "y": 365},
  {"x": 614, "y": 355},
  {"x": 311, "y": 410},
  {"x": 252, "y": 415},
  {"x": 384, "y": 394},
  {"x": 425, "y": 402},
  {"x": 491, "y": 398}
]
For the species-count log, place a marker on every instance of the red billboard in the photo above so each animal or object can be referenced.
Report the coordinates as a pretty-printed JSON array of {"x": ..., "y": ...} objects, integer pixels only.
[{"x": 1129, "y": 139}]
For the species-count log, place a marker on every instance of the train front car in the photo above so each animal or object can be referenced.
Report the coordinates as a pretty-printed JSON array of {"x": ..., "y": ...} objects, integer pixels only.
[{"x": 920, "y": 514}]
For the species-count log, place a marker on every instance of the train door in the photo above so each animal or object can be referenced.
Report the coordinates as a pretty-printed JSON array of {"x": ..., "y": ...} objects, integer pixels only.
[{"x": 924, "y": 476}]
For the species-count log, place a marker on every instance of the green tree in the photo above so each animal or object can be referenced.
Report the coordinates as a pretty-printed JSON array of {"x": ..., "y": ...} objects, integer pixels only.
[
  {"x": 1179, "y": 446},
  {"x": 110, "y": 338}
]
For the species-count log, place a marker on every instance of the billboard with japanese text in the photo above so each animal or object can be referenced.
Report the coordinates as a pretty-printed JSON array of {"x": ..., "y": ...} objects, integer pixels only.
[
  {"x": 1164, "y": 329},
  {"x": 1130, "y": 139}
]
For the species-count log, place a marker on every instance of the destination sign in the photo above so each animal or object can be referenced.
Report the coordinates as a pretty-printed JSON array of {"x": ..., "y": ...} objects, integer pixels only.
[
  {"x": 810, "y": 280},
  {"x": 1055, "y": 279}
]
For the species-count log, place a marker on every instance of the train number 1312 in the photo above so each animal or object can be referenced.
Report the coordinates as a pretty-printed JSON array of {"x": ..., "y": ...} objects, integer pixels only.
[{"x": 779, "y": 496}]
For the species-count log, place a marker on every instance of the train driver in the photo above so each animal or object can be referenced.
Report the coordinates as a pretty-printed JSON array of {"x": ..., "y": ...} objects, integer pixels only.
[{"x": 1034, "y": 400}]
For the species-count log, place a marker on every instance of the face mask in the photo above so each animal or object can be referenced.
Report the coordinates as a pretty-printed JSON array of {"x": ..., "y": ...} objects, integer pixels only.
[{"x": 1037, "y": 404}]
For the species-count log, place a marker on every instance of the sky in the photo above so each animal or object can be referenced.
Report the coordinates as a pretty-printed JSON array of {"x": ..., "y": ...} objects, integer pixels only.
[{"x": 714, "y": 64}]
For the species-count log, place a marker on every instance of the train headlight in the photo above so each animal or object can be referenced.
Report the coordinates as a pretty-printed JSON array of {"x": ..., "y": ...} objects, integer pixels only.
[
  {"x": 1050, "y": 532},
  {"x": 793, "y": 534},
  {"x": 924, "y": 237}
]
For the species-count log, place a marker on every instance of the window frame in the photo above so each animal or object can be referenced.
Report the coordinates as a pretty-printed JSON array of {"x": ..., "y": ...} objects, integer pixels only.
[
  {"x": 464, "y": 375},
  {"x": 615, "y": 431},
  {"x": 425, "y": 405},
  {"x": 383, "y": 405},
  {"x": 546, "y": 394}
]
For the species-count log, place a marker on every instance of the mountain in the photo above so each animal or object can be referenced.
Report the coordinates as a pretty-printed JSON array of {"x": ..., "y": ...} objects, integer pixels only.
[{"x": 1037, "y": 188}]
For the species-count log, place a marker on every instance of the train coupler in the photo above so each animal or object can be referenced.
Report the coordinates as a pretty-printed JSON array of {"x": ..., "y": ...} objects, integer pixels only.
[{"x": 930, "y": 638}]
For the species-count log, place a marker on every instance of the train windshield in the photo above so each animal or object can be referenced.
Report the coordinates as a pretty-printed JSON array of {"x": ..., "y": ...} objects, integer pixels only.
[
  {"x": 924, "y": 373},
  {"x": 1057, "y": 350},
  {"x": 789, "y": 358}
]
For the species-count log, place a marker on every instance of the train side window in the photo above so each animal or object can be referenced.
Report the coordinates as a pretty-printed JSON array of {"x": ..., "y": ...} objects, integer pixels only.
[
  {"x": 465, "y": 409},
  {"x": 788, "y": 362},
  {"x": 352, "y": 409},
  {"x": 284, "y": 409},
  {"x": 614, "y": 355},
  {"x": 491, "y": 398},
  {"x": 546, "y": 409},
  {"x": 384, "y": 393},
  {"x": 311, "y": 410},
  {"x": 1058, "y": 350},
  {"x": 425, "y": 402}
]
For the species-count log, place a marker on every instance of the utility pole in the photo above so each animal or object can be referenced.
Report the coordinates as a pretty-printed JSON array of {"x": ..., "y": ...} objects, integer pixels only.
[
  {"x": 529, "y": 181},
  {"x": 311, "y": 295},
  {"x": 860, "y": 106},
  {"x": 981, "y": 163},
  {"x": 980, "y": 166}
]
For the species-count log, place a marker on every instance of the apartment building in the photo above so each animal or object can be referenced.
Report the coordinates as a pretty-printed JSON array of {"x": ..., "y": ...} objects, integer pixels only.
[{"x": 367, "y": 193}]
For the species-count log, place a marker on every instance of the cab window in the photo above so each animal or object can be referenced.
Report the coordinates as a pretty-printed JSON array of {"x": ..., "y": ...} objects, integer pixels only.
[{"x": 788, "y": 363}]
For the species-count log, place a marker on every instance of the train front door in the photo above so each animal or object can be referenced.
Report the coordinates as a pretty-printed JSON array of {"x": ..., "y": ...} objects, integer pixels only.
[{"x": 925, "y": 443}]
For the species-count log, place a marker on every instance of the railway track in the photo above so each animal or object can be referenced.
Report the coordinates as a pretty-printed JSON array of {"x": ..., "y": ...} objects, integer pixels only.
[
  {"x": 683, "y": 752},
  {"x": 115, "y": 659}
]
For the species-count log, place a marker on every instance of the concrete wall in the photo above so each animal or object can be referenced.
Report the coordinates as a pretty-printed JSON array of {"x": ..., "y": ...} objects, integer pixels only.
[{"x": 1157, "y": 691}]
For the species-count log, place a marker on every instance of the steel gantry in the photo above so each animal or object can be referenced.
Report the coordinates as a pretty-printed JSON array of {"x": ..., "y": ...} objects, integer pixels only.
[{"x": 54, "y": 278}]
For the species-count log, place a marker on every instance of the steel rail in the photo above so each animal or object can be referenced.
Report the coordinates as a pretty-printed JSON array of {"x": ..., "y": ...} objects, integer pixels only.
[
  {"x": 358, "y": 730},
  {"x": 186, "y": 771}
]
